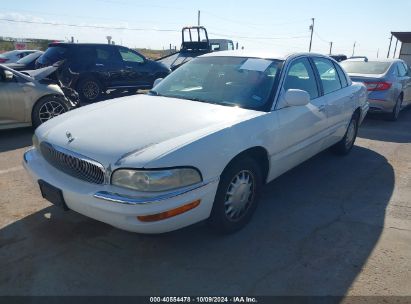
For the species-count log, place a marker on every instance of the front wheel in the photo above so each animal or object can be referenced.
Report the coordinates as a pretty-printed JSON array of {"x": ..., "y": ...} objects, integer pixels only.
[
  {"x": 47, "y": 108},
  {"x": 344, "y": 146},
  {"x": 237, "y": 196}
]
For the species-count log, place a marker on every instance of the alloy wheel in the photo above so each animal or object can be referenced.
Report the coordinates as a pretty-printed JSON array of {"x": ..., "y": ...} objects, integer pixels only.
[{"x": 50, "y": 109}]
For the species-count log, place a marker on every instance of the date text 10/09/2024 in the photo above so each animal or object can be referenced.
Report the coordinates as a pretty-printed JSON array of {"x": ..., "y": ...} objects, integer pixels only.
[{"x": 203, "y": 300}]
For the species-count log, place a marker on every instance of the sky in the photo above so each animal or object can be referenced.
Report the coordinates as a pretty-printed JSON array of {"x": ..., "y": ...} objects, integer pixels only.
[{"x": 278, "y": 26}]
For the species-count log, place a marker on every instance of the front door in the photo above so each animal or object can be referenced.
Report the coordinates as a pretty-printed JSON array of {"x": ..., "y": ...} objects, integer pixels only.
[
  {"x": 301, "y": 129},
  {"x": 134, "y": 70},
  {"x": 12, "y": 95}
]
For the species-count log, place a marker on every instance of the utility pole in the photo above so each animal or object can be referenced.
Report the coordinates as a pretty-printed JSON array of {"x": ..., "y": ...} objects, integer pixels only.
[
  {"x": 198, "y": 17},
  {"x": 331, "y": 47},
  {"x": 353, "y": 48},
  {"x": 395, "y": 49},
  {"x": 312, "y": 32},
  {"x": 389, "y": 48}
]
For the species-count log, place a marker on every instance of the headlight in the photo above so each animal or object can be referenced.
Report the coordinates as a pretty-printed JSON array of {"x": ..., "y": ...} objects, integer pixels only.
[
  {"x": 36, "y": 143},
  {"x": 155, "y": 180}
]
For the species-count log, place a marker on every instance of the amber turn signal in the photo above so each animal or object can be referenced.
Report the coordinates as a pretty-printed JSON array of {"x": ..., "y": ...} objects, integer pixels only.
[{"x": 169, "y": 213}]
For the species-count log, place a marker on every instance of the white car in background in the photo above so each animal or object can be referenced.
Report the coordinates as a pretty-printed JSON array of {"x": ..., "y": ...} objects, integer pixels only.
[
  {"x": 201, "y": 144},
  {"x": 14, "y": 56}
]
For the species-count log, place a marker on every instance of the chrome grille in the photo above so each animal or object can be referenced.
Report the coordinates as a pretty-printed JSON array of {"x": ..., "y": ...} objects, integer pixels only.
[{"x": 73, "y": 163}]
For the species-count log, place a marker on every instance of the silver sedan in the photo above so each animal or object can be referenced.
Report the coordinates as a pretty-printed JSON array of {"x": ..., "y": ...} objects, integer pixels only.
[
  {"x": 30, "y": 100},
  {"x": 388, "y": 83}
]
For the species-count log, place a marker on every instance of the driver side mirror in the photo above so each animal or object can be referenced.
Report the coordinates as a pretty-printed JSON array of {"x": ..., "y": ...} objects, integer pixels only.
[
  {"x": 157, "y": 81},
  {"x": 8, "y": 76},
  {"x": 295, "y": 97}
]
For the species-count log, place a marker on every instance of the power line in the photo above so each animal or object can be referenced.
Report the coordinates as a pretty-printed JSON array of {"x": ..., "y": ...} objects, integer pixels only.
[{"x": 89, "y": 26}]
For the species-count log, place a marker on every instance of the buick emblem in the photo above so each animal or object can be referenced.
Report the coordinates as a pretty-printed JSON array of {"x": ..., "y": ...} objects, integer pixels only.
[{"x": 69, "y": 137}]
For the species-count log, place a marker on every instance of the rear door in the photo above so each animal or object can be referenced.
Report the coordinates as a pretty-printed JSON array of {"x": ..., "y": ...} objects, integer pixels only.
[
  {"x": 339, "y": 98},
  {"x": 405, "y": 79},
  {"x": 109, "y": 66}
]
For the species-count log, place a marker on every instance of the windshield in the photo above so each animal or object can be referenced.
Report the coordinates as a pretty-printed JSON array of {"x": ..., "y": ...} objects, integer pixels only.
[
  {"x": 363, "y": 67},
  {"x": 232, "y": 81},
  {"x": 29, "y": 58}
]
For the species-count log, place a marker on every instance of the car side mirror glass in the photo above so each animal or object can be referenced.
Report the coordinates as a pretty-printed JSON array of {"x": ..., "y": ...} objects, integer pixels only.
[
  {"x": 8, "y": 76},
  {"x": 157, "y": 81},
  {"x": 295, "y": 97}
]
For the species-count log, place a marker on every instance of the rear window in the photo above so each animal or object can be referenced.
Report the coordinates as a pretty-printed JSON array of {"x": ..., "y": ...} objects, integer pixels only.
[
  {"x": 55, "y": 53},
  {"x": 362, "y": 67}
]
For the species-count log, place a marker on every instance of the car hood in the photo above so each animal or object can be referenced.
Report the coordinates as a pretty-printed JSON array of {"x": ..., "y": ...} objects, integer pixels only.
[
  {"x": 14, "y": 66},
  {"x": 134, "y": 130},
  {"x": 41, "y": 73}
]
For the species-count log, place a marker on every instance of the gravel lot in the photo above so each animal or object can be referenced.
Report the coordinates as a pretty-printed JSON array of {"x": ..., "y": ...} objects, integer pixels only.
[{"x": 332, "y": 226}]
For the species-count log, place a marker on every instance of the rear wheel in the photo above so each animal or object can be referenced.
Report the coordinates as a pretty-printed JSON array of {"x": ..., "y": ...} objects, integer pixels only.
[
  {"x": 47, "y": 108},
  {"x": 89, "y": 89},
  {"x": 397, "y": 108},
  {"x": 344, "y": 146},
  {"x": 237, "y": 196}
]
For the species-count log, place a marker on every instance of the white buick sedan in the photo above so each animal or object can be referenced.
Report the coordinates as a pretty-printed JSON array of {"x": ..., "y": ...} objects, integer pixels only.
[{"x": 201, "y": 144}]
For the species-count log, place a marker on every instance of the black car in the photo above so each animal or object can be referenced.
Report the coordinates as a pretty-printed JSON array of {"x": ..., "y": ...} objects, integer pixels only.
[
  {"x": 26, "y": 63},
  {"x": 93, "y": 69}
]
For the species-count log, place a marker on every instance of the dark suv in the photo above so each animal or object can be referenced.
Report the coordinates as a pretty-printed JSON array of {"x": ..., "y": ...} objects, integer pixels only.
[{"x": 93, "y": 69}]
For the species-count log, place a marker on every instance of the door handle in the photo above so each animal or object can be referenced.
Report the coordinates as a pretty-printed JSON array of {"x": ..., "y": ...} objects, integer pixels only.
[
  {"x": 99, "y": 64},
  {"x": 321, "y": 108},
  {"x": 129, "y": 68}
]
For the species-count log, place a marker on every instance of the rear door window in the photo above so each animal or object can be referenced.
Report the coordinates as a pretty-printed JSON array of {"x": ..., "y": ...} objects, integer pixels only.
[
  {"x": 401, "y": 70},
  {"x": 344, "y": 81},
  {"x": 328, "y": 75}
]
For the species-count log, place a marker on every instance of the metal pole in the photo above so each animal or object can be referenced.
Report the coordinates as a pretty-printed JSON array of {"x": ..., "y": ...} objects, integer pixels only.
[
  {"x": 353, "y": 48},
  {"x": 312, "y": 31},
  {"x": 198, "y": 17},
  {"x": 395, "y": 49},
  {"x": 331, "y": 47},
  {"x": 378, "y": 53},
  {"x": 389, "y": 48}
]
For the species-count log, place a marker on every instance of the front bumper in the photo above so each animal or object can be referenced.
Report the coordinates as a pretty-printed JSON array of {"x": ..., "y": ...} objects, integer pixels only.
[{"x": 105, "y": 204}]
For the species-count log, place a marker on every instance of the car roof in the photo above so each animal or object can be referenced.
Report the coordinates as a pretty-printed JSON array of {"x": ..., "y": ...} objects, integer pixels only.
[
  {"x": 69, "y": 44},
  {"x": 260, "y": 54}
]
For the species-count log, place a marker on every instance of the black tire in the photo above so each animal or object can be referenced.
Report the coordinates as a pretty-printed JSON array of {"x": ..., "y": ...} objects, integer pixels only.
[
  {"x": 344, "y": 146},
  {"x": 396, "y": 111},
  {"x": 89, "y": 89},
  {"x": 47, "y": 108},
  {"x": 224, "y": 220}
]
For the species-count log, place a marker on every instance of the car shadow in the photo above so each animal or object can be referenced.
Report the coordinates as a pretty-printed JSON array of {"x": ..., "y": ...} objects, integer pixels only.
[
  {"x": 15, "y": 138},
  {"x": 312, "y": 234},
  {"x": 377, "y": 127}
]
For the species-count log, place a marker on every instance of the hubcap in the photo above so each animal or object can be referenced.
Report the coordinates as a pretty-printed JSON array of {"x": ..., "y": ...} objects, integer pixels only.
[
  {"x": 239, "y": 195},
  {"x": 349, "y": 139},
  {"x": 91, "y": 90},
  {"x": 50, "y": 109}
]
